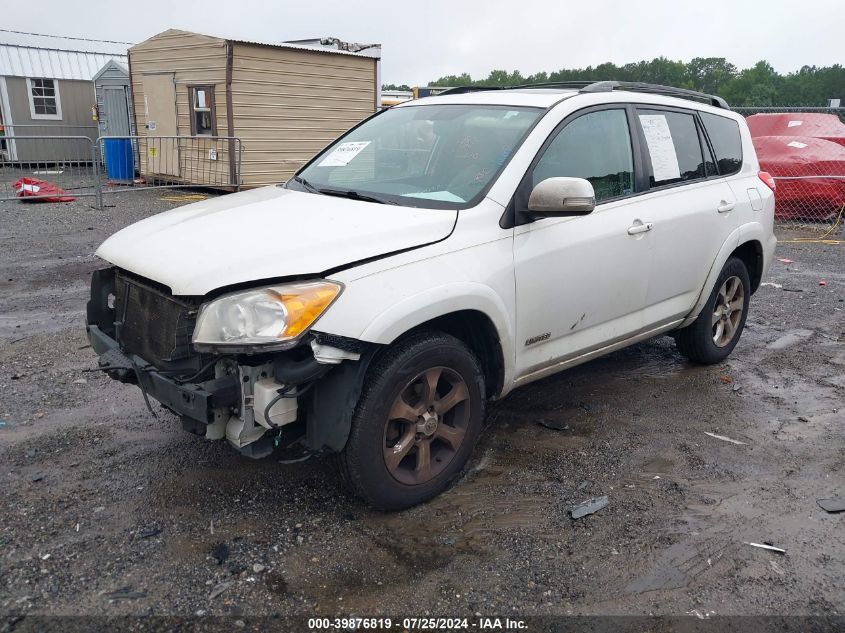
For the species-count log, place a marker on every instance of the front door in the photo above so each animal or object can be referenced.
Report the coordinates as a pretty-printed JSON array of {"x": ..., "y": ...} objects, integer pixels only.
[
  {"x": 581, "y": 282},
  {"x": 162, "y": 153}
]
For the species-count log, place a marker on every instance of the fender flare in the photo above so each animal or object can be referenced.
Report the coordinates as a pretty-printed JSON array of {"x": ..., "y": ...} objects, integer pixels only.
[
  {"x": 739, "y": 236},
  {"x": 439, "y": 301}
]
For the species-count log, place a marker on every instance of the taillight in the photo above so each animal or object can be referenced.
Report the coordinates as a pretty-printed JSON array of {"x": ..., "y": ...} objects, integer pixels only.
[{"x": 768, "y": 179}]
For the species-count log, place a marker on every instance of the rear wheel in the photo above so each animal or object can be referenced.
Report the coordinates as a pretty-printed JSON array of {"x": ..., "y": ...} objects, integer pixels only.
[
  {"x": 716, "y": 331},
  {"x": 416, "y": 423}
]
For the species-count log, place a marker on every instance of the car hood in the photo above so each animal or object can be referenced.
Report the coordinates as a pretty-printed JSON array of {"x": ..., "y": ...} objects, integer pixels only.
[{"x": 267, "y": 233}]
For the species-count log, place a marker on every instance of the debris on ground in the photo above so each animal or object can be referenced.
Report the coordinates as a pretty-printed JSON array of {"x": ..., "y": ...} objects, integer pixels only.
[
  {"x": 36, "y": 478},
  {"x": 767, "y": 546},
  {"x": 737, "y": 388},
  {"x": 724, "y": 438},
  {"x": 785, "y": 261},
  {"x": 220, "y": 553},
  {"x": 33, "y": 189},
  {"x": 149, "y": 533},
  {"x": 218, "y": 589},
  {"x": 822, "y": 282},
  {"x": 257, "y": 568},
  {"x": 726, "y": 379},
  {"x": 554, "y": 425},
  {"x": 769, "y": 284},
  {"x": 589, "y": 506},
  {"x": 125, "y": 593},
  {"x": 832, "y": 505}
]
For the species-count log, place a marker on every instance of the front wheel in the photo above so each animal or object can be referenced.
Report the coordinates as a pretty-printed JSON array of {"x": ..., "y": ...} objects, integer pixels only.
[
  {"x": 416, "y": 422},
  {"x": 715, "y": 332}
]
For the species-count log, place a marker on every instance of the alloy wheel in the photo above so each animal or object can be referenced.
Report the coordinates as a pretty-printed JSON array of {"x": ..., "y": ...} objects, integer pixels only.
[
  {"x": 426, "y": 425},
  {"x": 727, "y": 313}
]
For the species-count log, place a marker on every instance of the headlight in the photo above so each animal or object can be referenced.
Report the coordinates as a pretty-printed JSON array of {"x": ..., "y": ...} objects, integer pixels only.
[{"x": 272, "y": 317}]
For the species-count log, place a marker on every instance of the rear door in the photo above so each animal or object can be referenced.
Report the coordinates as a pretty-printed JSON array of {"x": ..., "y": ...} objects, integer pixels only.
[{"x": 691, "y": 206}]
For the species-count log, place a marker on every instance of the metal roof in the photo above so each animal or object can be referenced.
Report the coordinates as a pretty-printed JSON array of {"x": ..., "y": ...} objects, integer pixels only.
[
  {"x": 329, "y": 45},
  {"x": 55, "y": 57}
]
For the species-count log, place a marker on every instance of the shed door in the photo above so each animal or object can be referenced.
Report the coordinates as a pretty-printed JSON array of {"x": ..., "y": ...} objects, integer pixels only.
[
  {"x": 160, "y": 111},
  {"x": 117, "y": 111}
]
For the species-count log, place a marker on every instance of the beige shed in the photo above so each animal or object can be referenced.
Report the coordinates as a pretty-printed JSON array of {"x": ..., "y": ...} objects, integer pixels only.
[{"x": 283, "y": 101}]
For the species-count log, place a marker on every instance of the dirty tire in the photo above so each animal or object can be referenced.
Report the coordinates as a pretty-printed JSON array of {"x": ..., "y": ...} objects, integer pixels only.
[
  {"x": 363, "y": 462},
  {"x": 696, "y": 341}
]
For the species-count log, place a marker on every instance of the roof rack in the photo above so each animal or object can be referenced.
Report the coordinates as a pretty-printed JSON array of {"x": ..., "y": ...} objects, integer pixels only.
[
  {"x": 460, "y": 90},
  {"x": 669, "y": 91},
  {"x": 606, "y": 86}
]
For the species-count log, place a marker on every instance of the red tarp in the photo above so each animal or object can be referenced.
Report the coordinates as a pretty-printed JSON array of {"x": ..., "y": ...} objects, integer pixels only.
[
  {"x": 809, "y": 124},
  {"x": 792, "y": 159},
  {"x": 41, "y": 191}
]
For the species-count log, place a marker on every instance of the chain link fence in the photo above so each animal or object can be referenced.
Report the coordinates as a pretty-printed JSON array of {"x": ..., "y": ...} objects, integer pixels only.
[
  {"x": 803, "y": 148},
  {"x": 59, "y": 168}
]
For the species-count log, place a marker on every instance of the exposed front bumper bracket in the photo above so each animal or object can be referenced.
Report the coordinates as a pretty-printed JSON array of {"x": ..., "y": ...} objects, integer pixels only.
[{"x": 196, "y": 401}]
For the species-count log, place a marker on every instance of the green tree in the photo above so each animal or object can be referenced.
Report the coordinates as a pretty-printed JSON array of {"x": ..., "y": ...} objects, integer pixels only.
[
  {"x": 759, "y": 85},
  {"x": 709, "y": 74}
]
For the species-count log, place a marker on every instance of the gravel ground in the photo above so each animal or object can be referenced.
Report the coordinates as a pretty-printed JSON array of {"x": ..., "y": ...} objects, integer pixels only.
[{"x": 108, "y": 511}]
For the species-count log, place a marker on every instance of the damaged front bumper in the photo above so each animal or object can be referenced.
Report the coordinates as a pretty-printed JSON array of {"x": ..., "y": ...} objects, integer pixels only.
[
  {"x": 256, "y": 401},
  {"x": 198, "y": 402}
]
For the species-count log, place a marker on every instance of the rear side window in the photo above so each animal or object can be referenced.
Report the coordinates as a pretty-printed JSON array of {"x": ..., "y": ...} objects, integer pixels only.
[
  {"x": 673, "y": 145},
  {"x": 726, "y": 141},
  {"x": 595, "y": 146}
]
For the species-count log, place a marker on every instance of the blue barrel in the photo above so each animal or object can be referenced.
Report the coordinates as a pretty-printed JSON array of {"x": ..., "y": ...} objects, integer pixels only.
[{"x": 120, "y": 164}]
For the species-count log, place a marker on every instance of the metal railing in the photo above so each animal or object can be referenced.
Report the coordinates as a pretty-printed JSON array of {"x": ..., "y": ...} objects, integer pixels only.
[
  {"x": 53, "y": 167},
  {"x": 68, "y": 164},
  {"x": 803, "y": 148}
]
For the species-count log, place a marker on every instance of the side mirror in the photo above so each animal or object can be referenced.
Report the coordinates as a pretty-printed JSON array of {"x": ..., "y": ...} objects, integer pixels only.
[{"x": 560, "y": 197}]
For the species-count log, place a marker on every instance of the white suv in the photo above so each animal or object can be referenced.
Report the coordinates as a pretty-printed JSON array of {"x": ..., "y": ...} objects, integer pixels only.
[{"x": 437, "y": 256}]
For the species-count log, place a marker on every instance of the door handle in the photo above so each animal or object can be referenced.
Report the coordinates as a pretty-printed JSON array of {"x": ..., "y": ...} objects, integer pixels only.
[
  {"x": 724, "y": 207},
  {"x": 643, "y": 227}
]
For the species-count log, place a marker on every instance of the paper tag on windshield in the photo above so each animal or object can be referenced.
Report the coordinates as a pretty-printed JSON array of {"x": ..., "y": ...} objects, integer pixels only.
[
  {"x": 343, "y": 153},
  {"x": 664, "y": 160}
]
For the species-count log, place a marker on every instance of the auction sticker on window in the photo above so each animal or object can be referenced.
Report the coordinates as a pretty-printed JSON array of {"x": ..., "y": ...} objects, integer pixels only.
[
  {"x": 658, "y": 137},
  {"x": 343, "y": 153}
]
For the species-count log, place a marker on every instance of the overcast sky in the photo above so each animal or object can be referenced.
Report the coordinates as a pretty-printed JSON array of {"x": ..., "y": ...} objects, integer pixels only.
[{"x": 427, "y": 39}]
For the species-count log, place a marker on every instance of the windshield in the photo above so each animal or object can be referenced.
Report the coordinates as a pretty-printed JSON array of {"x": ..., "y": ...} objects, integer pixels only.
[{"x": 431, "y": 156}]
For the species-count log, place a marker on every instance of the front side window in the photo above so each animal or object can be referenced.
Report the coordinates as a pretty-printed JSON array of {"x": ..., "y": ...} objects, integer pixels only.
[
  {"x": 673, "y": 145},
  {"x": 726, "y": 141},
  {"x": 44, "y": 99},
  {"x": 595, "y": 146},
  {"x": 435, "y": 156},
  {"x": 202, "y": 111}
]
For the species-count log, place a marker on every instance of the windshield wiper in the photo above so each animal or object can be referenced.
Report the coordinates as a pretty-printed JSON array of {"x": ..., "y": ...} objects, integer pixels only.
[
  {"x": 341, "y": 193},
  {"x": 308, "y": 186},
  {"x": 354, "y": 195}
]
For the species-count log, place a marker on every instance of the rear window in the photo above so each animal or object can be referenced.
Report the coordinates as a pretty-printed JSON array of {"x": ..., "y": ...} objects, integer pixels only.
[
  {"x": 673, "y": 146},
  {"x": 726, "y": 141}
]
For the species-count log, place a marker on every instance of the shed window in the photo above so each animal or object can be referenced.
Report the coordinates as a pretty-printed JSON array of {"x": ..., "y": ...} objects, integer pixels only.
[
  {"x": 44, "y": 102},
  {"x": 203, "y": 117}
]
